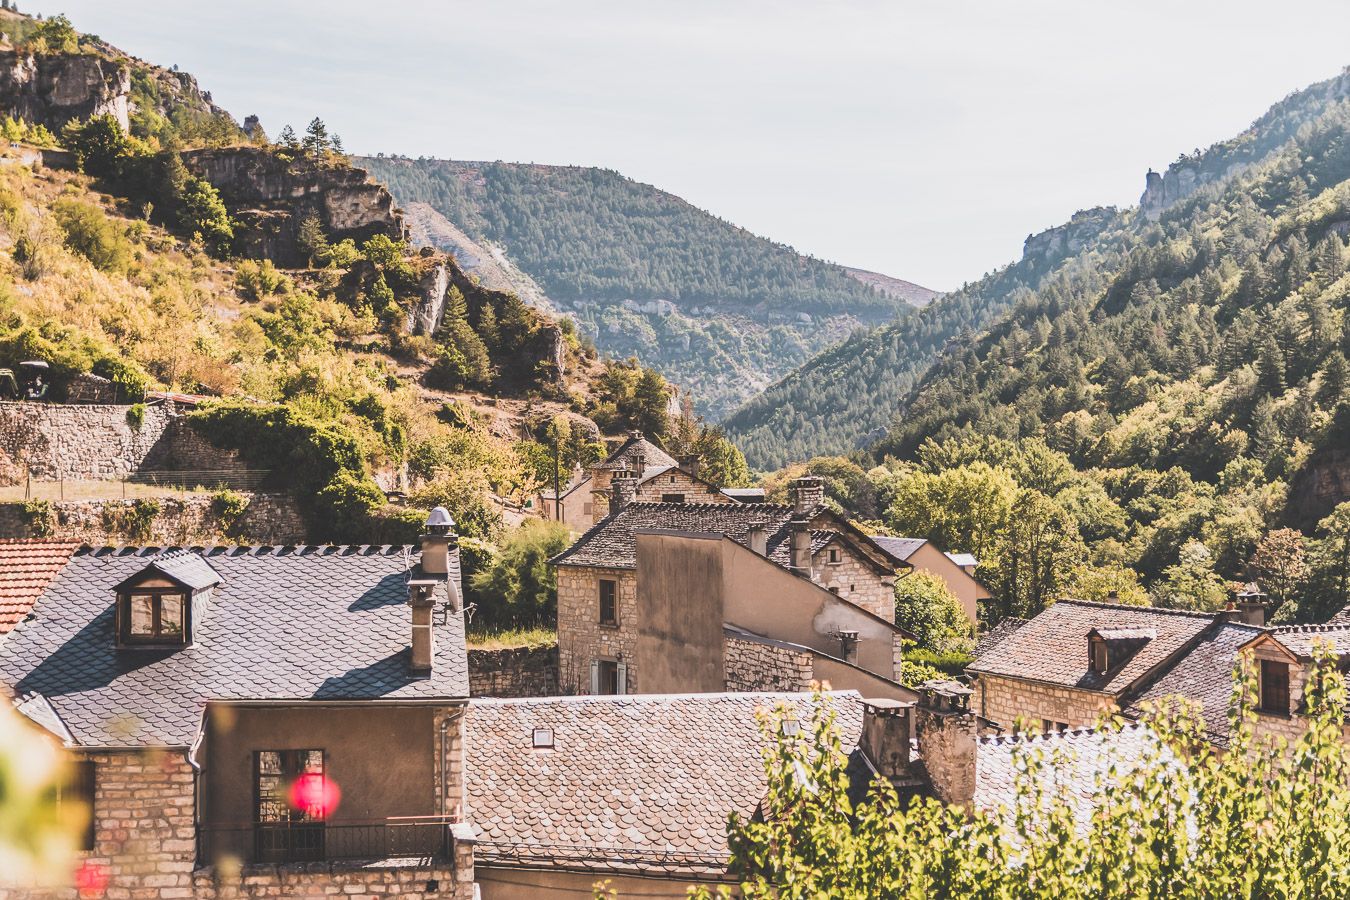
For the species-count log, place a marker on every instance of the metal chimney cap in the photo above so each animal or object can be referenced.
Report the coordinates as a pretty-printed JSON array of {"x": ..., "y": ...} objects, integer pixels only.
[{"x": 440, "y": 522}]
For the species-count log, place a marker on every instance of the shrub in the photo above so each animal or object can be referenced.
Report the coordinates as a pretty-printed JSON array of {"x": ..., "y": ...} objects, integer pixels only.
[
  {"x": 136, "y": 416},
  {"x": 99, "y": 145},
  {"x": 952, "y": 663},
  {"x": 90, "y": 233},
  {"x": 37, "y": 515},
  {"x": 258, "y": 280},
  {"x": 126, "y": 376},
  {"x": 137, "y": 520},
  {"x": 519, "y": 588},
  {"x": 229, "y": 507}
]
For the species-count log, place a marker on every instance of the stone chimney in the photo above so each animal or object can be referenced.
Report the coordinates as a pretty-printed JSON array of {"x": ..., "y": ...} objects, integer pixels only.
[
  {"x": 689, "y": 462},
  {"x": 848, "y": 646},
  {"x": 947, "y": 734},
  {"x": 622, "y": 491},
  {"x": 807, "y": 493},
  {"x": 432, "y": 571},
  {"x": 637, "y": 462},
  {"x": 885, "y": 736},
  {"x": 757, "y": 536},
  {"x": 801, "y": 547},
  {"x": 1251, "y": 604}
]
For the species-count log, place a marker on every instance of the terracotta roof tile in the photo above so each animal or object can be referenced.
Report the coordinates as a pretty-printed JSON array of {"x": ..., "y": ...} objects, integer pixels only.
[
  {"x": 1053, "y": 647},
  {"x": 26, "y": 568}
]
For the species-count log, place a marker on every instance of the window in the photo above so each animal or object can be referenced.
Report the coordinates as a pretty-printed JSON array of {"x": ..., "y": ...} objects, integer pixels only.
[
  {"x": 609, "y": 602},
  {"x": 77, "y": 791},
  {"x": 543, "y": 738},
  {"x": 1101, "y": 658},
  {"x": 154, "y": 617},
  {"x": 834, "y": 554},
  {"x": 1051, "y": 727},
  {"x": 672, "y": 498},
  {"x": 672, "y": 479},
  {"x": 1274, "y": 687},
  {"x": 288, "y": 818}
]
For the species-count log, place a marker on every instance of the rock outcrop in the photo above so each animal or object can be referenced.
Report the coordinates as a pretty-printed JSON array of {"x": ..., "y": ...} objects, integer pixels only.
[
  {"x": 270, "y": 196},
  {"x": 1049, "y": 247},
  {"x": 50, "y": 89},
  {"x": 425, "y": 315}
]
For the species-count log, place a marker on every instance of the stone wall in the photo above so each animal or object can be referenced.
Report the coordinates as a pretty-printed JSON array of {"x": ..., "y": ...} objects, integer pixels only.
[
  {"x": 1004, "y": 700},
  {"x": 755, "y": 666},
  {"x": 96, "y": 442},
  {"x": 854, "y": 580},
  {"x": 310, "y": 881},
  {"x": 191, "y": 519},
  {"x": 678, "y": 482},
  {"x": 581, "y": 637},
  {"x": 514, "y": 672}
]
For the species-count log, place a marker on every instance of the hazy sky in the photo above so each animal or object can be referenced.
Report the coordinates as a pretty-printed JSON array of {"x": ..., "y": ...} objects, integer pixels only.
[{"x": 923, "y": 140}]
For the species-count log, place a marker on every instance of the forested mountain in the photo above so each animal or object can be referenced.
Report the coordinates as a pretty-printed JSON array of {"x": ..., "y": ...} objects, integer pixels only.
[
  {"x": 719, "y": 310},
  {"x": 1165, "y": 413}
]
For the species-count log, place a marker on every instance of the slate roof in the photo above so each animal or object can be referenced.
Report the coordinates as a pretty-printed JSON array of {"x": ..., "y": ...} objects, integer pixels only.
[
  {"x": 26, "y": 567},
  {"x": 1299, "y": 639},
  {"x": 996, "y": 635},
  {"x": 653, "y": 456},
  {"x": 902, "y": 548},
  {"x": 964, "y": 559},
  {"x": 285, "y": 623},
  {"x": 1053, "y": 647},
  {"x": 1203, "y": 675},
  {"x": 1084, "y": 754},
  {"x": 612, "y": 542},
  {"x": 638, "y": 783}
]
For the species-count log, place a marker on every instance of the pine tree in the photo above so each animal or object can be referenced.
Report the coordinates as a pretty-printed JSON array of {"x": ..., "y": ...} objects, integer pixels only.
[
  {"x": 288, "y": 139},
  {"x": 316, "y": 142},
  {"x": 1270, "y": 365},
  {"x": 1335, "y": 379},
  {"x": 312, "y": 240}
]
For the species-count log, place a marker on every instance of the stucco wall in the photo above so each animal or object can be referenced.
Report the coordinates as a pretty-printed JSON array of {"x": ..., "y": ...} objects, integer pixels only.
[
  {"x": 500, "y": 883},
  {"x": 679, "y": 614},
  {"x": 581, "y": 637},
  {"x": 1004, "y": 700},
  {"x": 962, "y": 585}
]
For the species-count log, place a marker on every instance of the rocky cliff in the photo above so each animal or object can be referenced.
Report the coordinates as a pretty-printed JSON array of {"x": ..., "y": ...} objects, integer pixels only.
[
  {"x": 270, "y": 195},
  {"x": 1047, "y": 248},
  {"x": 52, "y": 88}
]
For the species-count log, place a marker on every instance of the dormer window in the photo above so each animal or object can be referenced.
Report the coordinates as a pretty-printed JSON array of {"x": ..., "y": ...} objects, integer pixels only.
[
  {"x": 156, "y": 606},
  {"x": 158, "y": 617},
  {"x": 1109, "y": 648}
]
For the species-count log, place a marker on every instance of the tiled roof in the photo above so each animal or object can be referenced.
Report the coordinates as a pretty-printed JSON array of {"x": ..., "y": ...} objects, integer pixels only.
[
  {"x": 1053, "y": 647},
  {"x": 1203, "y": 675},
  {"x": 652, "y": 455},
  {"x": 26, "y": 567},
  {"x": 612, "y": 543},
  {"x": 902, "y": 548},
  {"x": 187, "y": 567},
  {"x": 285, "y": 623},
  {"x": 1299, "y": 639},
  {"x": 639, "y": 783},
  {"x": 996, "y": 635},
  {"x": 1085, "y": 754},
  {"x": 1341, "y": 618}
]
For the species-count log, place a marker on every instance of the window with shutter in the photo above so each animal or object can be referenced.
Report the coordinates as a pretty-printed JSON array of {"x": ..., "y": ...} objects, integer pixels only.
[
  {"x": 1274, "y": 687},
  {"x": 609, "y": 602}
]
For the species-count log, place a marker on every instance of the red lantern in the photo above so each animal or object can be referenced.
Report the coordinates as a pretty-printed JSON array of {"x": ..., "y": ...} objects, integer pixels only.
[{"x": 316, "y": 795}]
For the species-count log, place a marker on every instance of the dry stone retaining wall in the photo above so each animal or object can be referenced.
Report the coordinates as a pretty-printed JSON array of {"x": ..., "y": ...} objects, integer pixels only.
[
  {"x": 754, "y": 666},
  {"x": 268, "y": 519},
  {"x": 514, "y": 672}
]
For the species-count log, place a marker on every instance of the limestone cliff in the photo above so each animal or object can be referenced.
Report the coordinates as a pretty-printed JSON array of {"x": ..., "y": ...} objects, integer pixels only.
[
  {"x": 1049, "y": 247},
  {"x": 271, "y": 195},
  {"x": 52, "y": 88}
]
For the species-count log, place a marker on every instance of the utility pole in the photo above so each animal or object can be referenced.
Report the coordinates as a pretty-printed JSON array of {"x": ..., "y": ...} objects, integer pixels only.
[{"x": 557, "y": 465}]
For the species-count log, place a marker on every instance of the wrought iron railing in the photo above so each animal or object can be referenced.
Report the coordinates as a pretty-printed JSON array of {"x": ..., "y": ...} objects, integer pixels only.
[{"x": 292, "y": 842}]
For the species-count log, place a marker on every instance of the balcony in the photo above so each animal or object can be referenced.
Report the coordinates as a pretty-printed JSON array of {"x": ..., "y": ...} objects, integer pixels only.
[{"x": 422, "y": 838}]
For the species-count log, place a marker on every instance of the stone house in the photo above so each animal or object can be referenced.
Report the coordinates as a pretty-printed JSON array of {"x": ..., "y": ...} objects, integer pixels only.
[
  {"x": 956, "y": 569},
  {"x": 1282, "y": 658},
  {"x": 657, "y": 477},
  {"x": 1077, "y": 660},
  {"x": 258, "y": 721},
  {"x": 837, "y": 581},
  {"x": 568, "y": 791}
]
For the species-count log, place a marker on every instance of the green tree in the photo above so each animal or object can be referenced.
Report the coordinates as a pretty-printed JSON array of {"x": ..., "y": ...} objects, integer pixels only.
[
  {"x": 1280, "y": 567},
  {"x": 926, "y": 608},
  {"x": 312, "y": 240},
  {"x": 316, "y": 141},
  {"x": 99, "y": 145},
  {"x": 1192, "y": 582},
  {"x": 967, "y": 506},
  {"x": 54, "y": 35},
  {"x": 520, "y": 588},
  {"x": 1036, "y": 556},
  {"x": 90, "y": 233},
  {"x": 205, "y": 217}
]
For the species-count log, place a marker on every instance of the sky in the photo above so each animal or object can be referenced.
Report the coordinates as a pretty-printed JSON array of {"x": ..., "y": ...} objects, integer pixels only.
[{"x": 922, "y": 140}]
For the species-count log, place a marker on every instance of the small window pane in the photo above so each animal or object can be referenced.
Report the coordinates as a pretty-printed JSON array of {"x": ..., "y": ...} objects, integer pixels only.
[
  {"x": 143, "y": 614},
  {"x": 171, "y": 615}
]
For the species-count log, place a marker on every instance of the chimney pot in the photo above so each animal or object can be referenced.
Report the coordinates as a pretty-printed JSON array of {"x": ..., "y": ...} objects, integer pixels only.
[
  {"x": 886, "y": 732},
  {"x": 807, "y": 493},
  {"x": 637, "y": 462},
  {"x": 948, "y": 735},
  {"x": 848, "y": 645}
]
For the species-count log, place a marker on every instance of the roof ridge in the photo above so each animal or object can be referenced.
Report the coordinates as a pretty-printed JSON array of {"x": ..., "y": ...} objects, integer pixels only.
[
  {"x": 1094, "y": 604},
  {"x": 1081, "y": 731},
  {"x": 1311, "y": 628},
  {"x": 151, "y": 550},
  {"x": 657, "y": 698}
]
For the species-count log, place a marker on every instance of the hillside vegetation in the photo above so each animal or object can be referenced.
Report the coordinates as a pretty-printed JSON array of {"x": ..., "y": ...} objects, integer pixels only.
[
  {"x": 714, "y": 307},
  {"x": 1166, "y": 412}
]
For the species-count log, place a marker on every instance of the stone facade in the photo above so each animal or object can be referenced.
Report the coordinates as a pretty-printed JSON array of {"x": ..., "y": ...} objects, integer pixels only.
[
  {"x": 311, "y": 881},
  {"x": 180, "y": 521},
  {"x": 854, "y": 580},
  {"x": 514, "y": 672},
  {"x": 1004, "y": 700},
  {"x": 755, "y": 666},
  {"x": 95, "y": 442},
  {"x": 677, "y": 481},
  {"x": 581, "y": 637}
]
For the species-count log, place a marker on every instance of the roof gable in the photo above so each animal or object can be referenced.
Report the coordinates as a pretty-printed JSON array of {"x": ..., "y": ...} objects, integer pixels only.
[
  {"x": 629, "y": 450},
  {"x": 185, "y": 568}
]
